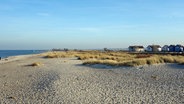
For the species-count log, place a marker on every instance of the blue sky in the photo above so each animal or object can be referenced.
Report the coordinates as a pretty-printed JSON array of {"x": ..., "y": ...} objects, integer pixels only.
[{"x": 85, "y": 24}]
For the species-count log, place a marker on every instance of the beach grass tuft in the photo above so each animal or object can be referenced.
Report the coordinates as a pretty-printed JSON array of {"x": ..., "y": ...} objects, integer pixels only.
[{"x": 36, "y": 64}]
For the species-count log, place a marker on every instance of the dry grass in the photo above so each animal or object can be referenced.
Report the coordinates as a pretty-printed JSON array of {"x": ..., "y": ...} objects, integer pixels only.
[
  {"x": 116, "y": 58},
  {"x": 57, "y": 55},
  {"x": 143, "y": 55},
  {"x": 36, "y": 64},
  {"x": 106, "y": 62}
]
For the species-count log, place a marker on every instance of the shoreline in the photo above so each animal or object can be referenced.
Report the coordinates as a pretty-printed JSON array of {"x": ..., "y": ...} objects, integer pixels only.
[{"x": 15, "y": 58}]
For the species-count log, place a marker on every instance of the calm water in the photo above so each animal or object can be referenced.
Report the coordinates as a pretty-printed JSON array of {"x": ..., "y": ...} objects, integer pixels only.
[{"x": 7, "y": 53}]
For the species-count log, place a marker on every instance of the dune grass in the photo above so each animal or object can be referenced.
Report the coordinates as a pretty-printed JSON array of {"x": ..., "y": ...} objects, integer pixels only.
[
  {"x": 58, "y": 54},
  {"x": 117, "y": 58},
  {"x": 36, "y": 64}
]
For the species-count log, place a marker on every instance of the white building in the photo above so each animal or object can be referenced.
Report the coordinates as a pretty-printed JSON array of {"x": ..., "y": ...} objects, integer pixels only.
[
  {"x": 136, "y": 48},
  {"x": 154, "y": 48}
]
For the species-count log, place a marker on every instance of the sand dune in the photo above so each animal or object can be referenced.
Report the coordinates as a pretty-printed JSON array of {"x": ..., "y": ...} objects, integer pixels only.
[{"x": 65, "y": 80}]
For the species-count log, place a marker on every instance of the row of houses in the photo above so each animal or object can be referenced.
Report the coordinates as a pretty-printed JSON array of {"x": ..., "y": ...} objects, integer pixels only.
[{"x": 157, "y": 48}]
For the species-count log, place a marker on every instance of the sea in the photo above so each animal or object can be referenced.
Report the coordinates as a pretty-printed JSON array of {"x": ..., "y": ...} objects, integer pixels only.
[{"x": 8, "y": 53}]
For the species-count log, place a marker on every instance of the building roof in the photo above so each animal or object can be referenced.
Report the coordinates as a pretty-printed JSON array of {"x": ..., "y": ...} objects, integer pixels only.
[
  {"x": 172, "y": 45},
  {"x": 166, "y": 46},
  {"x": 179, "y": 45},
  {"x": 154, "y": 46},
  {"x": 136, "y": 47}
]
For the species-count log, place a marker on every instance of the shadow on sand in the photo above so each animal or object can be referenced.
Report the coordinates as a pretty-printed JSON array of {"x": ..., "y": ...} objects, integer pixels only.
[
  {"x": 176, "y": 66},
  {"x": 104, "y": 67}
]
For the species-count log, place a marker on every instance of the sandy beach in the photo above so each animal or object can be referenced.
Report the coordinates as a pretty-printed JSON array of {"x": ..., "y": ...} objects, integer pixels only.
[{"x": 67, "y": 81}]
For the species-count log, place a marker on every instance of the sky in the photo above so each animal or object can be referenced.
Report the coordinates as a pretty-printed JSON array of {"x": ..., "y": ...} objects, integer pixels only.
[{"x": 90, "y": 24}]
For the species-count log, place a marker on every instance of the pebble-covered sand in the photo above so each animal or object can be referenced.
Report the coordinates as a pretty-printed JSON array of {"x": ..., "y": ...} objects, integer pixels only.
[{"x": 67, "y": 81}]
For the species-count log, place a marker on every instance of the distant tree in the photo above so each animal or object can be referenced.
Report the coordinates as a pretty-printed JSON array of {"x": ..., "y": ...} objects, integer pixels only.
[
  {"x": 75, "y": 49},
  {"x": 66, "y": 49},
  {"x": 106, "y": 50}
]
